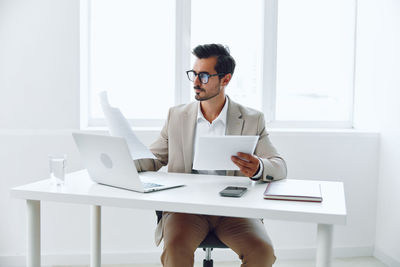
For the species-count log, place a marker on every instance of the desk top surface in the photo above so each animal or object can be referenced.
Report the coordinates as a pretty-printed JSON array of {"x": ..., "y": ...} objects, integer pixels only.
[{"x": 200, "y": 195}]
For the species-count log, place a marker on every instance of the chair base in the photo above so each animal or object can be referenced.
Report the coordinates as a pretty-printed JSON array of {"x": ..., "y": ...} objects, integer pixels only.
[{"x": 208, "y": 263}]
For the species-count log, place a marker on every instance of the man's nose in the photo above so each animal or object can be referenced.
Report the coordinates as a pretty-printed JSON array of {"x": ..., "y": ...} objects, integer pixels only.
[{"x": 196, "y": 80}]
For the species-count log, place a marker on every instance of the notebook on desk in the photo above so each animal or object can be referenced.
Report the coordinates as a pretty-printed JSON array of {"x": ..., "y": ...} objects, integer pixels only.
[{"x": 294, "y": 190}]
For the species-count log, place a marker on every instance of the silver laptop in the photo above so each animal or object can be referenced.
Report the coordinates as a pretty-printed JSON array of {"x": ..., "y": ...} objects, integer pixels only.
[{"x": 109, "y": 162}]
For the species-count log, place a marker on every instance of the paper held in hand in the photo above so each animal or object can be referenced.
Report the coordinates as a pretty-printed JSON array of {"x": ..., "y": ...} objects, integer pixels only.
[
  {"x": 295, "y": 190},
  {"x": 214, "y": 152},
  {"x": 119, "y": 126}
]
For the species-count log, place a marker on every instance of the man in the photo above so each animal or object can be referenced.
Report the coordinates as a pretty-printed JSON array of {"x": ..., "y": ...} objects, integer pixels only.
[{"x": 213, "y": 113}]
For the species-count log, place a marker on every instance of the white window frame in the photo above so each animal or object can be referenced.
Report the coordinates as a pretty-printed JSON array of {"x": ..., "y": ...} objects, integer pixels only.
[{"x": 182, "y": 63}]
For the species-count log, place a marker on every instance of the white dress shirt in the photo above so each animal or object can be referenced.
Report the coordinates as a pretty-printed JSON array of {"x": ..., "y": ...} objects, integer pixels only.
[{"x": 216, "y": 128}]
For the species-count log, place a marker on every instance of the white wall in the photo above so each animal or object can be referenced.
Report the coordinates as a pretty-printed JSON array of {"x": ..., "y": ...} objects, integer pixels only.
[
  {"x": 39, "y": 107},
  {"x": 378, "y": 94},
  {"x": 39, "y": 64}
]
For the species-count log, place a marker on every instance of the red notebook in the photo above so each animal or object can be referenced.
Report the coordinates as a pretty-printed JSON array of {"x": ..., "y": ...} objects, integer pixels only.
[{"x": 294, "y": 190}]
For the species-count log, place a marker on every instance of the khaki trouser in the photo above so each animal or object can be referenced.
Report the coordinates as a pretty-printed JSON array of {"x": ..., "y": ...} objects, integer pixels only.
[{"x": 184, "y": 232}]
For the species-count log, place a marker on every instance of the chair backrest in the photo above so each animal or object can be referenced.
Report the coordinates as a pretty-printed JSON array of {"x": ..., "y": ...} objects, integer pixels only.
[{"x": 159, "y": 215}]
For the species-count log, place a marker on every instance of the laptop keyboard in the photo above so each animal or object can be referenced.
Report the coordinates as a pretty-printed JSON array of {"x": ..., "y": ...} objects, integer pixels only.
[{"x": 150, "y": 185}]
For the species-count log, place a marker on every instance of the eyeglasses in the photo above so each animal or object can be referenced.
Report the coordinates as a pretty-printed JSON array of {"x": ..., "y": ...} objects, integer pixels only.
[{"x": 203, "y": 76}]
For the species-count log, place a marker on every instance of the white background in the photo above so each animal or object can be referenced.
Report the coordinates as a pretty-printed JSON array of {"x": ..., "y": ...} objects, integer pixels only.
[{"x": 39, "y": 107}]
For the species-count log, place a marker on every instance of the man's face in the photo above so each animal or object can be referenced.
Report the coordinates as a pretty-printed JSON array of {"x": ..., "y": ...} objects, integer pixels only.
[{"x": 213, "y": 87}]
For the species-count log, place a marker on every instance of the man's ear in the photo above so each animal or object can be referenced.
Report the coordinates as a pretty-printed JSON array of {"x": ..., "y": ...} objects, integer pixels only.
[{"x": 226, "y": 79}]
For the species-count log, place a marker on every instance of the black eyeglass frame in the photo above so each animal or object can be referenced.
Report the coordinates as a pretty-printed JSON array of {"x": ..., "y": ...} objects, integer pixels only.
[{"x": 202, "y": 73}]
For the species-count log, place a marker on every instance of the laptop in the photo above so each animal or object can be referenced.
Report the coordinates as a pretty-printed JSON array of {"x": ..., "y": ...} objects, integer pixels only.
[{"x": 108, "y": 161}]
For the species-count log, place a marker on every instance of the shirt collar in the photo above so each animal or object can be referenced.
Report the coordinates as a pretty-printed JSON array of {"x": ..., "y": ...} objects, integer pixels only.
[{"x": 221, "y": 117}]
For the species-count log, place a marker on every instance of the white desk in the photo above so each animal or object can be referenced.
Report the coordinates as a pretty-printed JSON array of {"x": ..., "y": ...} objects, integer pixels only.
[{"x": 200, "y": 195}]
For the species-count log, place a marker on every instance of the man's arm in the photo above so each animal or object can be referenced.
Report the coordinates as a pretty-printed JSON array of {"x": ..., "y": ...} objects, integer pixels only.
[
  {"x": 159, "y": 148},
  {"x": 273, "y": 165}
]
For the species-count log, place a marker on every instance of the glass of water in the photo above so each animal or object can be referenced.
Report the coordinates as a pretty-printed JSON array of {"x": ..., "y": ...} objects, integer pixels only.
[{"x": 57, "y": 168}]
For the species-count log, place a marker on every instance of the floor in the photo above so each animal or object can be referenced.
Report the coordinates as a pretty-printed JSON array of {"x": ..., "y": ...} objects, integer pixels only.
[{"x": 341, "y": 262}]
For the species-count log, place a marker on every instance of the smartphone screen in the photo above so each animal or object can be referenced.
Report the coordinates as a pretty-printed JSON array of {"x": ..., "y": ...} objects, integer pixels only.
[{"x": 233, "y": 191}]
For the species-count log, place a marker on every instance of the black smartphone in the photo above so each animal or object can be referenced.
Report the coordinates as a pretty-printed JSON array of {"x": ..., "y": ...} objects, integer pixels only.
[{"x": 233, "y": 191}]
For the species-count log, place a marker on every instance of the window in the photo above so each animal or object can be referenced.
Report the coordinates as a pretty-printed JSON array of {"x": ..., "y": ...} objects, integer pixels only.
[
  {"x": 315, "y": 60},
  {"x": 295, "y": 58},
  {"x": 132, "y": 47}
]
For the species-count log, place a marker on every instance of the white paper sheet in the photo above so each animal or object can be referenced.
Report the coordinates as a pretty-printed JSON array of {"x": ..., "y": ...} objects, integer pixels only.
[
  {"x": 119, "y": 126},
  {"x": 214, "y": 152}
]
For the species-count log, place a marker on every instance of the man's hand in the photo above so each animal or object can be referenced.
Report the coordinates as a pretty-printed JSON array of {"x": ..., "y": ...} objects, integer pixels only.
[{"x": 247, "y": 163}]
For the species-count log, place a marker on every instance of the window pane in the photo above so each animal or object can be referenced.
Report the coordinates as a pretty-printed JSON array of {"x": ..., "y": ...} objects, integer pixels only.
[
  {"x": 315, "y": 60},
  {"x": 132, "y": 56},
  {"x": 238, "y": 25}
]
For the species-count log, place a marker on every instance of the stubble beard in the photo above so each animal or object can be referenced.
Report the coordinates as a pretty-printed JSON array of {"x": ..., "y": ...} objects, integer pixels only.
[{"x": 205, "y": 98}]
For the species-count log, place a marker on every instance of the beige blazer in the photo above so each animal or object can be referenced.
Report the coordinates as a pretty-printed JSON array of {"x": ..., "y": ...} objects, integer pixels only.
[{"x": 175, "y": 144}]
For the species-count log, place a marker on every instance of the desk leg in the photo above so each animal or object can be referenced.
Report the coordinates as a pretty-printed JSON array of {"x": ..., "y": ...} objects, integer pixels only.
[
  {"x": 324, "y": 245},
  {"x": 33, "y": 233},
  {"x": 95, "y": 244}
]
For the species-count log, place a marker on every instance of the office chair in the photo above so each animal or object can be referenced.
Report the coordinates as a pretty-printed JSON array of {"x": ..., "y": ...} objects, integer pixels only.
[{"x": 211, "y": 241}]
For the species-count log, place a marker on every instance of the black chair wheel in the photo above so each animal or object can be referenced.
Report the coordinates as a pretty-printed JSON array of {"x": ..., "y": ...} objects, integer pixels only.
[{"x": 208, "y": 263}]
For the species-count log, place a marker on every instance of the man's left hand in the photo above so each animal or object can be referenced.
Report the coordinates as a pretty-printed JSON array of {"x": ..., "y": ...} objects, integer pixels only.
[{"x": 247, "y": 163}]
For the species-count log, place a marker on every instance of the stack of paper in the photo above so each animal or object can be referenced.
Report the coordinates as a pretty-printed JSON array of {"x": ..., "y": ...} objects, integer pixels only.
[{"x": 296, "y": 190}]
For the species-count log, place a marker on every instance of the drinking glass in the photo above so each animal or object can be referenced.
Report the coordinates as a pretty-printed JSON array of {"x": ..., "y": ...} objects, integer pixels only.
[{"x": 57, "y": 168}]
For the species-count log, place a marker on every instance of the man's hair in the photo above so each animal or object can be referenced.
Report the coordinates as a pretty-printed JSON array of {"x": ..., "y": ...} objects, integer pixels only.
[{"x": 225, "y": 62}]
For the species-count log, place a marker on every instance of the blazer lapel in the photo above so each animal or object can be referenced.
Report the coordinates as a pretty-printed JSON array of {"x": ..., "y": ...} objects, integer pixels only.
[
  {"x": 188, "y": 126},
  {"x": 234, "y": 120},
  {"x": 234, "y": 124}
]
